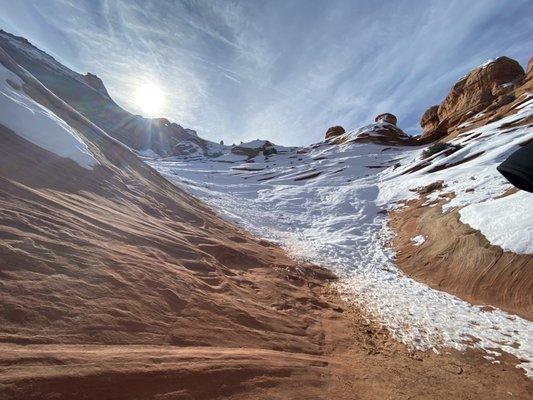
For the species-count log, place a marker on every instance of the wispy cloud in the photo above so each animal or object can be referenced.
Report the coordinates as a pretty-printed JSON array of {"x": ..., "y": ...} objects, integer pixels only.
[{"x": 284, "y": 70}]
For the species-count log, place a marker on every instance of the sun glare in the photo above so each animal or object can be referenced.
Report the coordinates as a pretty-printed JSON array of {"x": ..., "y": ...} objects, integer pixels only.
[{"x": 149, "y": 98}]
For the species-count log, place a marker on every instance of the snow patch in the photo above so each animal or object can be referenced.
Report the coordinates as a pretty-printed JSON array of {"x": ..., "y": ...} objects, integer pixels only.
[
  {"x": 418, "y": 240},
  {"x": 506, "y": 222},
  {"x": 254, "y": 144},
  {"x": 148, "y": 153},
  {"x": 37, "y": 124}
]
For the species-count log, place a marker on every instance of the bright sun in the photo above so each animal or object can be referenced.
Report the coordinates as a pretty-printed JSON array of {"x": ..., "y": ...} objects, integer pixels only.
[{"x": 149, "y": 98}]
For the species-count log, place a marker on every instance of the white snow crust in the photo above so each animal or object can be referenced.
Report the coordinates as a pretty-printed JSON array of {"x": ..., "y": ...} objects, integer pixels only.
[
  {"x": 37, "y": 124},
  {"x": 418, "y": 240},
  {"x": 506, "y": 222}
]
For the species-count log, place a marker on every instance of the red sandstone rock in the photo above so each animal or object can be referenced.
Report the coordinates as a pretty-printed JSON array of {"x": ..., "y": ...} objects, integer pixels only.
[
  {"x": 334, "y": 131},
  {"x": 478, "y": 89},
  {"x": 386, "y": 117}
]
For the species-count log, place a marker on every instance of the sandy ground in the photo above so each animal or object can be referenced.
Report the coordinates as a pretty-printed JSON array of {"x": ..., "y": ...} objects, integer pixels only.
[{"x": 358, "y": 360}]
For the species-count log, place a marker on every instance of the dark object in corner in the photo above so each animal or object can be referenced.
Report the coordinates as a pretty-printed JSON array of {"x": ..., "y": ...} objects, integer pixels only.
[{"x": 518, "y": 168}]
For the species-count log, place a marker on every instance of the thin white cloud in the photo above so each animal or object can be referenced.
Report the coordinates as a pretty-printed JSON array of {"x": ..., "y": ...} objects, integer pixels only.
[{"x": 238, "y": 70}]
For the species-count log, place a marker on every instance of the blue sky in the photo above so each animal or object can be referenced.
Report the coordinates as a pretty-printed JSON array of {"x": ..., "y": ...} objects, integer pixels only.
[{"x": 283, "y": 70}]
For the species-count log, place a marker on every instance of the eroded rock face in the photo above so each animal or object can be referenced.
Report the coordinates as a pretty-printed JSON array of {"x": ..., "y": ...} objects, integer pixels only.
[
  {"x": 335, "y": 131},
  {"x": 386, "y": 117},
  {"x": 95, "y": 82},
  {"x": 430, "y": 119},
  {"x": 479, "y": 89},
  {"x": 432, "y": 129}
]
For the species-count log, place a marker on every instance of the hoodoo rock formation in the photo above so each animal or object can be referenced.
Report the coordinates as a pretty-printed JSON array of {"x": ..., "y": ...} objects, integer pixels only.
[
  {"x": 334, "y": 131},
  {"x": 387, "y": 117}
]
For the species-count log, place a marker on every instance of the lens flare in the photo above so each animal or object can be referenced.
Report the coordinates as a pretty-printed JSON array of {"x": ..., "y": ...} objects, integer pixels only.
[{"x": 150, "y": 99}]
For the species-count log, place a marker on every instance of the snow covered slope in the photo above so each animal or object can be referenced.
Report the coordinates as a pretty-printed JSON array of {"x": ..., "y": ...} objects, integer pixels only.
[
  {"x": 327, "y": 204},
  {"x": 27, "y": 118}
]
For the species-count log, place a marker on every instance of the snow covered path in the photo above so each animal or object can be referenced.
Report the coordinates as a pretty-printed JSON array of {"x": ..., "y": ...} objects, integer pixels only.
[{"x": 322, "y": 206}]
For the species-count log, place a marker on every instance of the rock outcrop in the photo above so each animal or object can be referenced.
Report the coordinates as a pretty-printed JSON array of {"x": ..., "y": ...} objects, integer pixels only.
[
  {"x": 479, "y": 89},
  {"x": 96, "y": 83},
  {"x": 254, "y": 148},
  {"x": 383, "y": 131},
  {"x": 486, "y": 88},
  {"x": 430, "y": 124},
  {"x": 335, "y": 131},
  {"x": 386, "y": 117}
]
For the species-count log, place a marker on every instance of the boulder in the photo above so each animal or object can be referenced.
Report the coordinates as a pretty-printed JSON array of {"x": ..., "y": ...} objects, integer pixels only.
[
  {"x": 334, "y": 131},
  {"x": 387, "y": 117},
  {"x": 268, "y": 151}
]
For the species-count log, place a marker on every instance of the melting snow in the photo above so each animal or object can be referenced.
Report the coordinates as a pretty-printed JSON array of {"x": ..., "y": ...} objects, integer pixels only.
[{"x": 485, "y": 64}]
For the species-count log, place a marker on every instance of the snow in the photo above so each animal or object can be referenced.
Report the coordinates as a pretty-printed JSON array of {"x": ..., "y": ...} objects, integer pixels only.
[
  {"x": 37, "y": 124},
  {"x": 254, "y": 144},
  {"x": 149, "y": 153},
  {"x": 506, "y": 222},
  {"x": 418, "y": 240},
  {"x": 231, "y": 158},
  {"x": 485, "y": 64},
  {"x": 333, "y": 219},
  {"x": 465, "y": 124}
]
